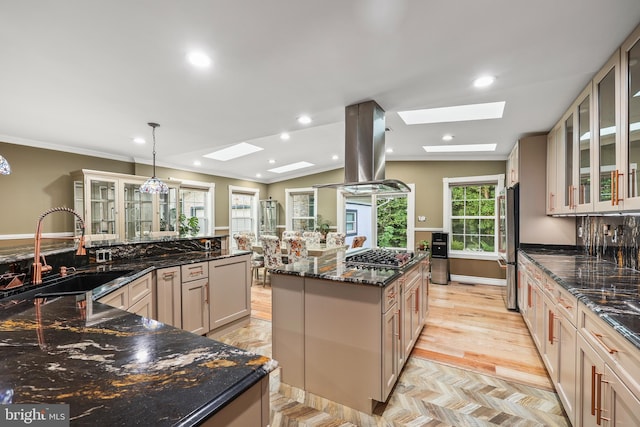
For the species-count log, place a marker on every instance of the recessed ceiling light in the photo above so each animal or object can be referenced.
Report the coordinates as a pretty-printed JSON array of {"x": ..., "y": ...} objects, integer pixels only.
[
  {"x": 139, "y": 140},
  {"x": 389, "y": 150},
  {"x": 490, "y": 110},
  {"x": 447, "y": 137},
  {"x": 304, "y": 119},
  {"x": 258, "y": 175},
  {"x": 484, "y": 81},
  {"x": 335, "y": 157},
  {"x": 291, "y": 167},
  {"x": 458, "y": 148},
  {"x": 271, "y": 161},
  {"x": 285, "y": 136},
  {"x": 233, "y": 152},
  {"x": 199, "y": 59},
  {"x": 197, "y": 163}
]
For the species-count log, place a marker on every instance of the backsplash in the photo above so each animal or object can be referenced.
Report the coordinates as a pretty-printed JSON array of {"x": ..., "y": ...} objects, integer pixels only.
[{"x": 613, "y": 238}]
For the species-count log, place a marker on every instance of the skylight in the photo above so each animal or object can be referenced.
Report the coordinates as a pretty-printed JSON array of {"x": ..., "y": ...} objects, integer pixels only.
[
  {"x": 233, "y": 152},
  {"x": 459, "y": 148},
  {"x": 490, "y": 110},
  {"x": 291, "y": 167}
]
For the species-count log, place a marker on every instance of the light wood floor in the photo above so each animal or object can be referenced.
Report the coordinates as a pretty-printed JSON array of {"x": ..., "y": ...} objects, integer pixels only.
[{"x": 467, "y": 327}]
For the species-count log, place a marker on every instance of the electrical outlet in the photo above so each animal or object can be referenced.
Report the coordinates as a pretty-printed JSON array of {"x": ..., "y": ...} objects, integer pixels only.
[{"x": 422, "y": 218}]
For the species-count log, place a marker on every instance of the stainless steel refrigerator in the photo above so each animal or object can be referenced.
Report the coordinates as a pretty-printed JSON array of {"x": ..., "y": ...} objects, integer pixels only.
[{"x": 511, "y": 238}]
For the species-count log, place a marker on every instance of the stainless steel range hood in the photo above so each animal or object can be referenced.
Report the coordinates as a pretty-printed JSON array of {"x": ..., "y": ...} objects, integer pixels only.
[{"x": 364, "y": 153}]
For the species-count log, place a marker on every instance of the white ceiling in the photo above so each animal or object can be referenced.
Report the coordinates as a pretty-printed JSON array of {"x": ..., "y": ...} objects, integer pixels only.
[{"x": 86, "y": 76}]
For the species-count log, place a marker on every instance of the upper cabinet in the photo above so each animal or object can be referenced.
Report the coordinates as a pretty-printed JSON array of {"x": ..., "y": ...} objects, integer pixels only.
[
  {"x": 606, "y": 138},
  {"x": 630, "y": 117},
  {"x": 114, "y": 208}
]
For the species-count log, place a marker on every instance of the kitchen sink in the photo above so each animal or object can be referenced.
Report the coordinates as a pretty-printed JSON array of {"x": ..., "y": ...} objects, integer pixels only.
[{"x": 78, "y": 283}]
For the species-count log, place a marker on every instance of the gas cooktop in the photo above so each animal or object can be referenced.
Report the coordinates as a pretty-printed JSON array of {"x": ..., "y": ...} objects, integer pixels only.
[{"x": 379, "y": 258}]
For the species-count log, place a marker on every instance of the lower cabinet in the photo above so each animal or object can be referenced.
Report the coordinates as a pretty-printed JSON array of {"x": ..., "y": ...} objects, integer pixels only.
[
  {"x": 230, "y": 288},
  {"x": 169, "y": 296},
  {"x": 195, "y": 297},
  {"x": 251, "y": 408},
  {"x": 137, "y": 297}
]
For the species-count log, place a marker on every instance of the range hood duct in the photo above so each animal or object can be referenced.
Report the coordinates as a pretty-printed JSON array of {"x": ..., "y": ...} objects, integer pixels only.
[{"x": 364, "y": 153}]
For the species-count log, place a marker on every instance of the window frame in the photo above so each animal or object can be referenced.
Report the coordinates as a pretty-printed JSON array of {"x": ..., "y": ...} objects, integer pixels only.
[
  {"x": 289, "y": 206},
  {"x": 447, "y": 183},
  {"x": 209, "y": 188},
  {"x": 347, "y": 222},
  {"x": 255, "y": 193}
]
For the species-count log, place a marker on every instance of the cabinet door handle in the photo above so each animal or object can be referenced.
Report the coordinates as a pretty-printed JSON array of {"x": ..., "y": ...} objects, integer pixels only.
[
  {"x": 599, "y": 399},
  {"x": 551, "y": 320},
  {"x": 206, "y": 292},
  {"x": 399, "y": 328},
  {"x": 593, "y": 390},
  {"x": 418, "y": 299},
  {"x": 168, "y": 276},
  {"x": 600, "y": 339}
]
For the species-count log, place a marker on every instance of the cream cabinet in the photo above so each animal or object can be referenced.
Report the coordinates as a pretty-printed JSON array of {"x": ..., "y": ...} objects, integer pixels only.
[
  {"x": 609, "y": 372},
  {"x": 195, "y": 297},
  {"x": 169, "y": 296},
  {"x": 342, "y": 341},
  {"x": 630, "y": 117},
  {"x": 114, "y": 208},
  {"x": 230, "y": 293},
  {"x": 136, "y": 297},
  {"x": 512, "y": 175}
]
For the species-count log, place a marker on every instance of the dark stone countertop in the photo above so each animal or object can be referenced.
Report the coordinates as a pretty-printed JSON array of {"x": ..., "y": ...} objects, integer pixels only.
[
  {"x": 612, "y": 292},
  {"x": 116, "y": 368},
  {"x": 332, "y": 267}
]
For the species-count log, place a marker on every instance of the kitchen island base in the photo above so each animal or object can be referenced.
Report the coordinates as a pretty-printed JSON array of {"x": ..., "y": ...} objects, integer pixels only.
[{"x": 343, "y": 341}]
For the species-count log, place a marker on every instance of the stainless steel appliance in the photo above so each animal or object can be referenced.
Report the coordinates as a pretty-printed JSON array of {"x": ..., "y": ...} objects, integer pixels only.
[
  {"x": 379, "y": 259},
  {"x": 509, "y": 242},
  {"x": 440, "y": 258}
]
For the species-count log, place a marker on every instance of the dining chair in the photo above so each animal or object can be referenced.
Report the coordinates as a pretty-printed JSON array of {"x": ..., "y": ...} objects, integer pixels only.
[
  {"x": 358, "y": 241},
  {"x": 312, "y": 237},
  {"x": 297, "y": 249},
  {"x": 335, "y": 239},
  {"x": 287, "y": 234},
  {"x": 244, "y": 242},
  {"x": 272, "y": 255}
]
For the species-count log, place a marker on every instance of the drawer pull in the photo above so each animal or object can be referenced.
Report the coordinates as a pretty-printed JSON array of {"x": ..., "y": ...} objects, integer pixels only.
[
  {"x": 599, "y": 338},
  {"x": 593, "y": 390},
  {"x": 168, "y": 276}
]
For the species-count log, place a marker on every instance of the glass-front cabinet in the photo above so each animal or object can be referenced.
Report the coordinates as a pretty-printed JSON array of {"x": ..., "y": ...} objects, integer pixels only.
[
  {"x": 114, "y": 208},
  {"x": 630, "y": 117},
  {"x": 268, "y": 217},
  {"x": 610, "y": 170}
]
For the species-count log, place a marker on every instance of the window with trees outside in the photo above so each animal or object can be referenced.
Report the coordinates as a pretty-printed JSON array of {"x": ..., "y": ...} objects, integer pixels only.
[
  {"x": 301, "y": 209},
  {"x": 473, "y": 214}
]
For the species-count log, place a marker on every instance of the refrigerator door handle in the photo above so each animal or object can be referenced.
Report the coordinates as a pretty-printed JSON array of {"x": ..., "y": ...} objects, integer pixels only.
[{"x": 502, "y": 263}]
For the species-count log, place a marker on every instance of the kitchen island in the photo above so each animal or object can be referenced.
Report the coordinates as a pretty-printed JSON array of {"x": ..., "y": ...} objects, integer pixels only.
[
  {"x": 116, "y": 368},
  {"x": 344, "y": 332}
]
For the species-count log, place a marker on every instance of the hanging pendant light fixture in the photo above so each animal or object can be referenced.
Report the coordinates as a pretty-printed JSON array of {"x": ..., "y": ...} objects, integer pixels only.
[
  {"x": 5, "y": 169},
  {"x": 153, "y": 185}
]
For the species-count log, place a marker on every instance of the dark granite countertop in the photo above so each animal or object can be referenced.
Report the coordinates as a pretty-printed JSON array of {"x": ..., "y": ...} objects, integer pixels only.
[
  {"x": 113, "y": 367},
  {"x": 332, "y": 267},
  {"x": 612, "y": 292}
]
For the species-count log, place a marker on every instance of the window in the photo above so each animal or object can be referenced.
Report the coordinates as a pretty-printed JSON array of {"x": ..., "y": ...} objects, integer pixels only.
[
  {"x": 194, "y": 208},
  {"x": 301, "y": 209},
  {"x": 243, "y": 207},
  {"x": 471, "y": 214},
  {"x": 351, "y": 222}
]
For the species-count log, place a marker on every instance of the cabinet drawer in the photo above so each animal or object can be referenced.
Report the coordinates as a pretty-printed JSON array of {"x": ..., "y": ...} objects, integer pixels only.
[
  {"x": 412, "y": 277},
  {"x": 567, "y": 304},
  {"x": 118, "y": 298},
  {"x": 614, "y": 349},
  {"x": 390, "y": 296},
  {"x": 194, "y": 271}
]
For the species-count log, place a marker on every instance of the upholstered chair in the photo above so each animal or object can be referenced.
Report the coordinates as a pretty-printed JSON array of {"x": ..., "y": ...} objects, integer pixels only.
[
  {"x": 335, "y": 239},
  {"x": 358, "y": 241},
  {"x": 289, "y": 234},
  {"x": 312, "y": 238},
  {"x": 245, "y": 243},
  {"x": 297, "y": 249},
  {"x": 272, "y": 254}
]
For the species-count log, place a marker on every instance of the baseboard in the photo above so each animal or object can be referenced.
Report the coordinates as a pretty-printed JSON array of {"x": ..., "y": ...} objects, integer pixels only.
[{"x": 478, "y": 280}]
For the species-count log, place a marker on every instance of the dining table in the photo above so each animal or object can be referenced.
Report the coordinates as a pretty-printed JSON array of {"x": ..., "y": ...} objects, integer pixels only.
[{"x": 312, "y": 250}]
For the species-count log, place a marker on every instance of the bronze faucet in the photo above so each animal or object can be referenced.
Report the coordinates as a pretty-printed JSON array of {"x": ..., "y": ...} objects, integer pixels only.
[{"x": 39, "y": 267}]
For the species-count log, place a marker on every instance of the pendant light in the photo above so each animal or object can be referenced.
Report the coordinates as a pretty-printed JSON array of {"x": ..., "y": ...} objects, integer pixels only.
[
  {"x": 153, "y": 185},
  {"x": 5, "y": 169}
]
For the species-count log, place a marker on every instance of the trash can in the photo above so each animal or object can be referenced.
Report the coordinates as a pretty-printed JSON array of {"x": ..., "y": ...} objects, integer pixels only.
[{"x": 440, "y": 258}]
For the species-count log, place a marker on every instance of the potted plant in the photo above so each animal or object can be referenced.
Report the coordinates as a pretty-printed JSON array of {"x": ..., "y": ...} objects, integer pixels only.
[
  {"x": 188, "y": 225},
  {"x": 322, "y": 226},
  {"x": 423, "y": 245}
]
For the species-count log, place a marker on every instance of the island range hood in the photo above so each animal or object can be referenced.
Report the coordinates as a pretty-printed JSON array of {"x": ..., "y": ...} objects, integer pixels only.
[{"x": 364, "y": 154}]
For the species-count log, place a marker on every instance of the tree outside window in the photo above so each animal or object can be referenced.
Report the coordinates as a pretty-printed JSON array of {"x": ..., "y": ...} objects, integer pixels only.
[{"x": 473, "y": 218}]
